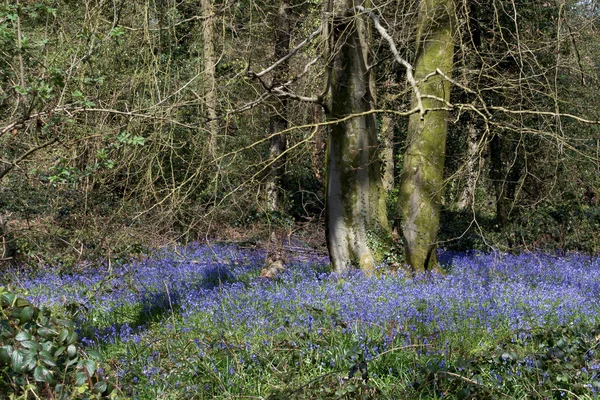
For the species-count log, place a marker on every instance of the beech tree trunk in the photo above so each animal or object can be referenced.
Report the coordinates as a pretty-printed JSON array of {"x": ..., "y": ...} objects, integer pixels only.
[
  {"x": 422, "y": 175},
  {"x": 278, "y": 120},
  {"x": 210, "y": 95},
  {"x": 355, "y": 208}
]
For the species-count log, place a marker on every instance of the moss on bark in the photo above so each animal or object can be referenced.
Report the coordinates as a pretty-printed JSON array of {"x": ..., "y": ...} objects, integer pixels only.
[
  {"x": 354, "y": 202},
  {"x": 422, "y": 175}
]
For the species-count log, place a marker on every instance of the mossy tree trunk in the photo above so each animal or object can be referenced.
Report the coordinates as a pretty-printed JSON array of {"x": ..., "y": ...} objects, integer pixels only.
[
  {"x": 278, "y": 120},
  {"x": 209, "y": 80},
  {"x": 423, "y": 168},
  {"x": 355, "y": 208}
]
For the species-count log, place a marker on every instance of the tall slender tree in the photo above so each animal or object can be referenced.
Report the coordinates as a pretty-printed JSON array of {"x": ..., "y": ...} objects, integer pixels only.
[
  {"x": 278, "y": 120},
  {"x": 422, "y": 174},
  {"x": 210, "y": 94}
]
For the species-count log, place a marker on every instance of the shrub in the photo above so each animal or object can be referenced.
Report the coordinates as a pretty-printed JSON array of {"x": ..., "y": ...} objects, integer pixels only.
[{"x": 41, "y": 358}]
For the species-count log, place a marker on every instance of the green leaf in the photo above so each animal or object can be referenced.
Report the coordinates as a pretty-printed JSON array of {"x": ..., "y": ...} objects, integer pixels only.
[
  {"x": 23, "y": 336},
  {"x": 42, "y": 374},
  {"x": 117, "y": 31},
  {"x": 47, "y": 346},
  {"x": 19, "y": 302},
  {"x": 5, "y": 353},
  {"x": 138, "y": 141},
  {"x": 29, "y": 359},
  {"x": 7, "y": 299},
  {"x": 80, "y": 378},
  {"x": 72, "y": 337},
  {"x": 94, "y": 355},
  {"x": 71, "y": 351},
  {"x": 100, "y": 387},
  {"x": 21, "y": 90},
  {"x": 59, "y": 351},
  {"x": 90, "y": 366},
  {"x": 27, "y": 314},
  {"x": 71, "y": 362},
  {"x": 47, "y": 333},
  {"x": 30, "y": 344},
  {"x": 47, "y": 358},
  {"x": 17, "y": 362}
]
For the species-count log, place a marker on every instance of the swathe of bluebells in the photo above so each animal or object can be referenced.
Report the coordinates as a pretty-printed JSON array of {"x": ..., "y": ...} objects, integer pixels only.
[{"x": 221, "y": 283}]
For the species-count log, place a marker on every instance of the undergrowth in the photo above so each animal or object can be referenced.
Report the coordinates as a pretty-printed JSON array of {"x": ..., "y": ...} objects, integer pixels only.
[{"x": 198, "y": 323}]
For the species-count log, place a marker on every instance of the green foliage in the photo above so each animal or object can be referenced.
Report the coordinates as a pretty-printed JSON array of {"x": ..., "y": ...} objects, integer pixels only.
[
  {"x": 270, "y": 218},
  {"x": 386, "y": 249},
  {"x": 541, "y": 364},
  {"x": 567, "y": 226},
  {"x": 40, "y": 356}
]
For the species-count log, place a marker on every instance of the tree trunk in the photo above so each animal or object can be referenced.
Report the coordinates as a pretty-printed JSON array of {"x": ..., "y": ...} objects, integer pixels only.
[
  {"x": 318, "y": 144},
  {"x": 387, "y": 153},
  {"x": 467, "y": 195},
  {"x": 355, "y": 208},
  {"x": 422, "y": 175},
  {"x": 505, "y": 172},
  {"x": 278, "y": 120},
  {"x": 210, "y": 95}
]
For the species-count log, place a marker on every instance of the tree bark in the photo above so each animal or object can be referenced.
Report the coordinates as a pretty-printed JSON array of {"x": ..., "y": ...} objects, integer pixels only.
[
  {"x": 318, "y": 144},
  {"x": 278, "y": 120},
  {"x": 355, "y": 208},
  {"x": 210, "y": 95},
  {"x": 505, "y": 172},
  {"x": 387, "y": 152},
  {"x": 422, "y": 175},
  {"x": 467, "y": 195}
]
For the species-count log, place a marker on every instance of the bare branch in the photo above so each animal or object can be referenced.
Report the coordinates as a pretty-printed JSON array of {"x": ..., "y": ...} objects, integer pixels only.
[
  {"x": 13, "y": 164},
  {"x": 409, "y": 68},
  {"x": 287, "y": 56}
]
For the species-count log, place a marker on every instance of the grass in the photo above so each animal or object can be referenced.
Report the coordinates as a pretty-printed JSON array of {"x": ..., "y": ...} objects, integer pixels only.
[{"x": 199, "y": 323}]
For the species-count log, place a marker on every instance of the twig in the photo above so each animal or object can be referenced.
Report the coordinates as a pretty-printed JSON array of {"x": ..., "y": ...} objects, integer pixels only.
[
  {"x": 287, "y": 56},
  {"x": 409, "y": 68},
  {"x": 13, "y": 164}
]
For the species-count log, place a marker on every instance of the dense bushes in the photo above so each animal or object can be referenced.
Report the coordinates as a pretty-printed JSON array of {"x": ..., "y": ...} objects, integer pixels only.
[
  {"x": 563, "y": 227},
  {"x": 40, "y": 356}
]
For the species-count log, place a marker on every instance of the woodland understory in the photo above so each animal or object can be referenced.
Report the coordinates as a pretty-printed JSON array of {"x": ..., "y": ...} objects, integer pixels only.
[{"x": 378, "y": 132}]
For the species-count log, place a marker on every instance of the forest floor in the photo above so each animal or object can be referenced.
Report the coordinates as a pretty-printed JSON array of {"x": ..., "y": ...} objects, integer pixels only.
[{"x": 198, "y": 322}]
